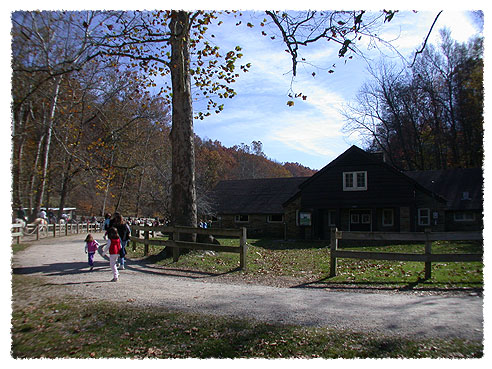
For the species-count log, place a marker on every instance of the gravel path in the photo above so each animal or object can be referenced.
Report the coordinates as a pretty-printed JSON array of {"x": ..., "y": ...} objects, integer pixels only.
[{"x": 62, "y": 262}]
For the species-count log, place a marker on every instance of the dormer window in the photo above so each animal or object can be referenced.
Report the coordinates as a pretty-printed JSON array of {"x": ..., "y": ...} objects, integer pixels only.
[{"x": 354, "y": 181}]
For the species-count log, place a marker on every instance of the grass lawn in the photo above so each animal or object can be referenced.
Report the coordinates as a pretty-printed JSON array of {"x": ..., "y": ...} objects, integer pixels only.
[
  {"x": 310, "y": 263},
  {"x": 68, "y": 327}
]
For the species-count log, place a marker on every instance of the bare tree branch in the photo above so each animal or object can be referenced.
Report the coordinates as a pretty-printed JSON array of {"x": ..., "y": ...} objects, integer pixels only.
[{"x": 426, "y": 39}]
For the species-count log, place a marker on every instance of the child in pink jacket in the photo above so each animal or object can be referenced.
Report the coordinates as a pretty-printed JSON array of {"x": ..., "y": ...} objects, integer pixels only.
[{"x": 91, "y": 246}]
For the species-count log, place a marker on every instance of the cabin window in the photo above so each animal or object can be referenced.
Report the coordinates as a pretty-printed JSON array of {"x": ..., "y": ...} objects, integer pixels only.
[
  {"x": 355, "y": 218},
  {"x": 242, "y": 218},
  {"x": 464, "y": 216},
  {"x": 304, "y": 218},
  {"x": 365, "y": 218},
  {"x": 388, "y": 219},
  {"x": 354, "y": 181},
  {"x": 424, "y": 217},
  {"x": 275, "y": 218}
]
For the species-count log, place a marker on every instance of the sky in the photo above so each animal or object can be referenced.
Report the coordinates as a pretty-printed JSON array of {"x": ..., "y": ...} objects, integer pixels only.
[{"x": 310, "y": 132}]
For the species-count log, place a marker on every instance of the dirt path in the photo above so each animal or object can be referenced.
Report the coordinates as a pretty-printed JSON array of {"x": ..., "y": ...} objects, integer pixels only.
[{"x": 62, "y": 262}]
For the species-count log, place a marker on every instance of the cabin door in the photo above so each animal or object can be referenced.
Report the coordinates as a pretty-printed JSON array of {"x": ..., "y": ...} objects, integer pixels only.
[{"x": 360, "y": 220}]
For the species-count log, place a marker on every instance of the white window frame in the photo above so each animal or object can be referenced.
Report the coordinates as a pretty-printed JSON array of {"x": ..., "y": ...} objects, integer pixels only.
[
  {"x": 237, "y": 218},
  {"x": 422, "y": 217},
  {"x": 352, "y": 185},
  {"x": 355, "y": 218},
  {"x": 385, "y": 220},
  {"x": 366, "y": 218},
  {"x": 269, "y": 218},
  {"x": 467, "y": 216}
]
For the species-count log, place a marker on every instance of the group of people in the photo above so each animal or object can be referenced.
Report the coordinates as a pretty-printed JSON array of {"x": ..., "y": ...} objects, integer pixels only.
[
  {"x": 204, "y": 224},
  {"x": 117, "y": 232},
  {"x": 48, "y": 216}
]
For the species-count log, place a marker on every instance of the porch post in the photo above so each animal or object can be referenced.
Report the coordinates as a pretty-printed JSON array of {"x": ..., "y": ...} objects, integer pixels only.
[
  {"x": 333, "y": 249},
  {"x": 428, "y": 251}
]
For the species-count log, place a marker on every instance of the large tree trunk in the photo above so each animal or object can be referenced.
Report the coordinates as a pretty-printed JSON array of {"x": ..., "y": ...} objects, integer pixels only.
[{"x": 183, "y": 193}]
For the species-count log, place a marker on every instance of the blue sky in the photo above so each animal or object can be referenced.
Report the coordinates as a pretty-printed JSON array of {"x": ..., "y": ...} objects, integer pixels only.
[{"x": 310, "y": 132}]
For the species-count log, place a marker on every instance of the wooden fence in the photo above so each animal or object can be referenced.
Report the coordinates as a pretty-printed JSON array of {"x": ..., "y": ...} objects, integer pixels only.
[
  {"x": 16, "y": 231},
  {"x": 427, "y": 237},
  {"x": 54, "y": 230},
  {"x": 176, "y": 244}
]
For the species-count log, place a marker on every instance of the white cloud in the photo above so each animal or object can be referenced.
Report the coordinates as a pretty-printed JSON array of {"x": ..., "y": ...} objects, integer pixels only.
[{"x": 309, "y": 132}]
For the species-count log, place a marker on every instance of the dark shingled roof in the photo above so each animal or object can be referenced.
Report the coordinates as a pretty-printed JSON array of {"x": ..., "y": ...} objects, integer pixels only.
[
  {"x": 451, "y": 184},
  {"x": 254, "y": 196}
]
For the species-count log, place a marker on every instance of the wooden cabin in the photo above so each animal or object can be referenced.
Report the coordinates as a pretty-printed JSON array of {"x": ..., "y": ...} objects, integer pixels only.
[
  {"x": 256, "y": 204},
  {"x": 358, "y": 191}
]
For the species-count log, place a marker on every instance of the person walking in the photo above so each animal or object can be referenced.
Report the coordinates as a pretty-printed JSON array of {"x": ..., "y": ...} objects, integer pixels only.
[
  {"x": 91, "y": 246},
  {"x": 124, "y": 232},
  {"x": 113, "y": 246},
  {"x": 107, "y": 220}
]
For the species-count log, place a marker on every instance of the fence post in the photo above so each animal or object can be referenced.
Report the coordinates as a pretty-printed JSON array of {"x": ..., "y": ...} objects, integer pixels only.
[
  {"x": 146, "y": 245},
  {"x": 243, "y": 248},
  {"x": 333, "y": 249},
  {"x": 37, "y": 232},
  {"x": 136, "y": 233},
  {"x": 428, "y": 251},
  {"x": 54, "y": 230},
  {"x": 175, "y": 249}
]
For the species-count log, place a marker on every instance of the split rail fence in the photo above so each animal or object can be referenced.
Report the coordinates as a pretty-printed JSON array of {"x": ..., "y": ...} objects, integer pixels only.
[
  {"x": 54, "y": 230},
  {"x": 427, "y": 237},
  {"x": 176, "y": 244}
]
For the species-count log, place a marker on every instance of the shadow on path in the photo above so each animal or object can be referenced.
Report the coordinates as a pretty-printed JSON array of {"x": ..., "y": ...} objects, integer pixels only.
[
  {"x": 54, "y": 269},
  {"x": 147, "y": 268},
  {"x": 393, "y": 286},
  {"x": 81, "y": 267}
]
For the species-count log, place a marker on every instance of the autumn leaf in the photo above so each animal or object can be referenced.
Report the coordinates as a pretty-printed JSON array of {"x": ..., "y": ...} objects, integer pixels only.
[{"x": 290, "y": 103}]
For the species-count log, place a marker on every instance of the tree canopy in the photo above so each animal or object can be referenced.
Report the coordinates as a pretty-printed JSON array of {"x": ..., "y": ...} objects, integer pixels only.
[{"x": 429, "y": 116}]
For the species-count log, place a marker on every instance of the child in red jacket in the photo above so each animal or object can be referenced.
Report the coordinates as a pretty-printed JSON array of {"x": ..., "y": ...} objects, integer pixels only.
[{"x": 114, "y": 247}]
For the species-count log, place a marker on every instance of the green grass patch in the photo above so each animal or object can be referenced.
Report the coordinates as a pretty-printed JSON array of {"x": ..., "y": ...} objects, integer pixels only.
[
  {"x": 69, "y": 327},
  {"x": 398, "y": 273},
  {"x": 19, "y": 247},
  {"x": 310, "y": 262}
]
